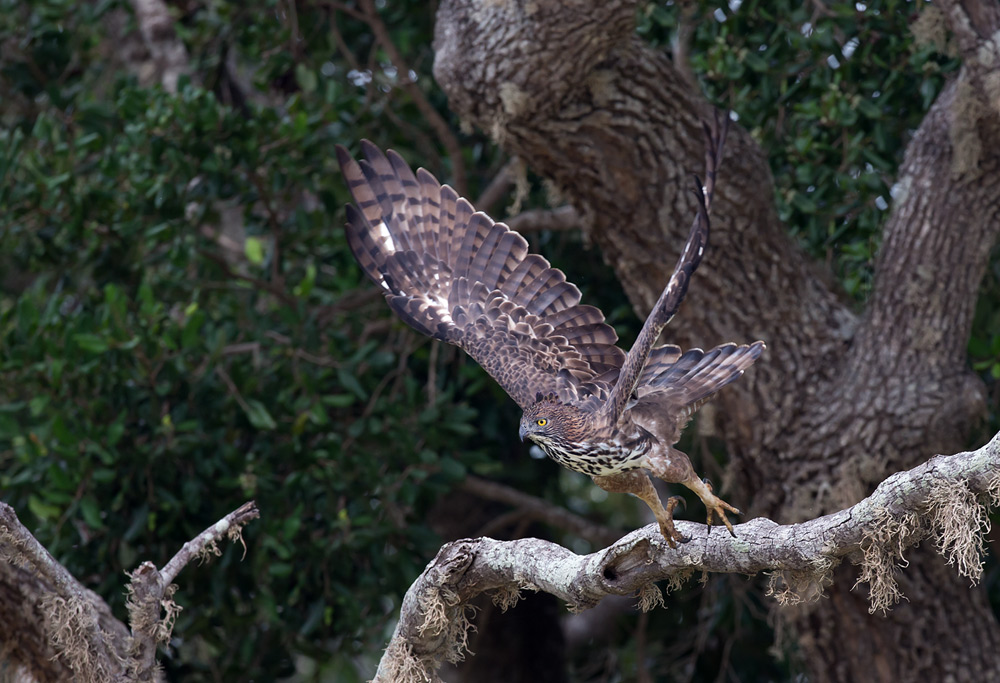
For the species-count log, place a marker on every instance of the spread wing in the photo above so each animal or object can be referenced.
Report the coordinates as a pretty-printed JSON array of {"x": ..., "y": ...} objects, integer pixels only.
[
  {"x": 673, "y": 294},
  {"x": 453, "y": 274},
  {"x": 678, "y": 384}
]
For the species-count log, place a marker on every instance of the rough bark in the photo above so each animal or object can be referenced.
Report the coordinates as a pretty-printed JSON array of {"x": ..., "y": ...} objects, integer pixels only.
[
  {"x": 841, "y": 400},
  {"x": 52, "y": 628}
]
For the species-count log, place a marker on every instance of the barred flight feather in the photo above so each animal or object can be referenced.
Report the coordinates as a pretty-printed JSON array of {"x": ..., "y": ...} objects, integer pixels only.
[{"x": 454, "y": 274}]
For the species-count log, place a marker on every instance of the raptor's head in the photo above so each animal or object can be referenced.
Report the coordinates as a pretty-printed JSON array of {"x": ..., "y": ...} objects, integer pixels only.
[{"x": 548, "y": 420}]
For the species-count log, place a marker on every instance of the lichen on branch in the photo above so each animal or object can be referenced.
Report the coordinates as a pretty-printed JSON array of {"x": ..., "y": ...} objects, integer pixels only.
[{"x": 945, "y": 499}]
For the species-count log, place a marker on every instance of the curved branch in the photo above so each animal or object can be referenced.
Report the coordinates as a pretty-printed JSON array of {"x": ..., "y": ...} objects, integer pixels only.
[
  {"x": 437, "y": 122},
  {"x": 505, "y": 178},
  {"x": 938, "y": 498},
  {"x": 944, "y": 223},
  {"x": 975, "y": 24},
  {"x": 946, "y": 216},
  {"x": 150, "y": 590}
]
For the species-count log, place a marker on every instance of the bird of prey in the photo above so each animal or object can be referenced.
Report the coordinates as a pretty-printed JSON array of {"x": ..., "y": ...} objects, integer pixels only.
[{"x": 454, "y": 274}]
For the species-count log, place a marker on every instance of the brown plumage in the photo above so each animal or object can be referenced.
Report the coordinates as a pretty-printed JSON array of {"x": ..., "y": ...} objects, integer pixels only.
[{"x": 453, "y": 274}]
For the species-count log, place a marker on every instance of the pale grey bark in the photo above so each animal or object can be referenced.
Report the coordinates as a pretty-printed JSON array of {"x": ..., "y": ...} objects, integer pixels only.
[
  {"x": 54, "y": 629},
  {"x": 941, "y": 500},
  {"x": 169, "y": 56}
]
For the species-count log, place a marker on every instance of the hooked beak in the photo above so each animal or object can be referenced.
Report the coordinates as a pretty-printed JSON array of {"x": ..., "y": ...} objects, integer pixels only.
[{"x": 523, "y": 433}]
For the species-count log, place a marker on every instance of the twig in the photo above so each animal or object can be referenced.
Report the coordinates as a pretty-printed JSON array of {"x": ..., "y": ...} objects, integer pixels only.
[
  {"x": 229, "y": 526},
  {"x": 295, "y": 39},
  {"x": 349, "y": 302},
  {"x": 432, "y": 364},
  {"x": 263, "y": 285},
  {"x": 274, "y": 221},
  {"x": 348, "y": 10},
  {"x": 562, "y": 218},
  {"x": 439, "y": 125},
  {"x": 539, "y": 510},
  {"x": 341, "y": 44},
  {"x": 498, "y": 187},
  {"x": 233, "y": 389},
  {"x": 150, "y": 590}
]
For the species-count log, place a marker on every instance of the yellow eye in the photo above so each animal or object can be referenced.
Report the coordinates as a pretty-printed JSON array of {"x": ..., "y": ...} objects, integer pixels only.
[{"x": 541, "y": 422}]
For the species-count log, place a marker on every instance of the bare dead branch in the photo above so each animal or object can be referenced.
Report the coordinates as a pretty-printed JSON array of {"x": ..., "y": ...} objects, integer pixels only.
[
  {"x": 63, "y": 631},
  {"x": 230, "y": 526},
  {"x": 932, "y": 499},
  {"x": 436, "y": 121},
  {"x": 562, "y": 218},
  {"x": 151, "y": 590},
  {"x": 498, "y": 187},
  {"x": 539, "y": 510},
  {"x": 157, "y": 28}
]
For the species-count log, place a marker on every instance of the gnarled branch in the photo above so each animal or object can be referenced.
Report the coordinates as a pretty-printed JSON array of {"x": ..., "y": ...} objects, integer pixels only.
[
  {"x": 56, "y": 629},
  {"x": 938, "y": 499}
]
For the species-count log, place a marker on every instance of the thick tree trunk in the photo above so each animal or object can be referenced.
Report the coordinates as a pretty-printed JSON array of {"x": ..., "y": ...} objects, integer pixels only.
[{"x": 839, "y": 401}]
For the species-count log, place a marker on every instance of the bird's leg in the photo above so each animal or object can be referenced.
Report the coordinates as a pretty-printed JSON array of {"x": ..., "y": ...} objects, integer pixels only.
[
  {"x": 638, "y": 484},
  {"x": 675, "y": 467},
  {"x": 714, "y": 504}
]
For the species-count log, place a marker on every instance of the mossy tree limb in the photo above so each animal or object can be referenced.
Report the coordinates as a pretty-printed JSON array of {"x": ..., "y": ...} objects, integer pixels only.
[{"x": 945, "y": 499}]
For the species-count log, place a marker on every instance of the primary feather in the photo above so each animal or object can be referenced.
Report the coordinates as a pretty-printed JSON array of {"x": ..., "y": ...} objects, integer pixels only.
[{"x": 453, "y": 274}]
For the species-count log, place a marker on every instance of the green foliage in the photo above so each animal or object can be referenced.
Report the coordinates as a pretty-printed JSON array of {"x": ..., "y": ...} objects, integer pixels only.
[{"x": 832, "y": 92}]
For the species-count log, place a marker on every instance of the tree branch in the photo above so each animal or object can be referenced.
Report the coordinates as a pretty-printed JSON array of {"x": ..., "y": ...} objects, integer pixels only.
[
  {"x": 539, "y": 510},
  {"x": 498, "y": 187},
  {"x": 944, "y": 221},
  {"x": 562, "y": 218},
  {"x": 64, "y": 631},
  {"x": 271, "y": 287},
  {"x": 428, "y": 111},
  {"x": 938, "y": 499},
  {"x": 150, "y": 590},
  {"x": 974, "y": 25}
]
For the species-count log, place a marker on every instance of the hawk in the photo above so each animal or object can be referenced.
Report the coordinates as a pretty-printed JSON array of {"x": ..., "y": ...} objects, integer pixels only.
[{"x": 454, "y": 274}]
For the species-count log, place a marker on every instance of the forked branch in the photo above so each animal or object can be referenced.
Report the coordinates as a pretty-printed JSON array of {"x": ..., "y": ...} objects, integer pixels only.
[{"x": 60, "y": 630}]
